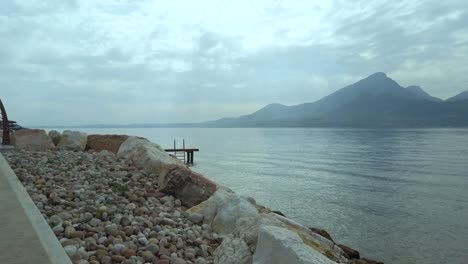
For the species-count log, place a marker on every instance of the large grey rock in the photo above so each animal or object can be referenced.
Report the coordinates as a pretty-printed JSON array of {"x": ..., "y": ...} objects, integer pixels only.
[
  {"x": 32, "y": 139},
  {"x": 278, "y": 245},
  {"x": 146, "y": 155},
  {"x": 247, "y": 229},
  {"x": 73, "y": 140},
  {"x": 189, "y": 187},
  {"x": 55, "y": 136},
  {"x": 318, "y": 242},
  {"x": 223, "y": 209},
  {"x": 232, "y": 251}
]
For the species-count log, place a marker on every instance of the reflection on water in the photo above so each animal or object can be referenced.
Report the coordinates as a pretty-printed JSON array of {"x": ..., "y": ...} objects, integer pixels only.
[{"x": 396, "y": 195}]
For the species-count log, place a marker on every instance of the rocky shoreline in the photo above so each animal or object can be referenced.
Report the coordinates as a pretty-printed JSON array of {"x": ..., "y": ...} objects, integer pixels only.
[{"x": 120, "y": 199}]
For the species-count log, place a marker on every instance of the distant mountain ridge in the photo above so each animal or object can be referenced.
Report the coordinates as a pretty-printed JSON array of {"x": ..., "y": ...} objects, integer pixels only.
[
  {"x": 459, "y": 97},
  {"x": 417, "y": 90},
  {"x": 373, "y": 101}
]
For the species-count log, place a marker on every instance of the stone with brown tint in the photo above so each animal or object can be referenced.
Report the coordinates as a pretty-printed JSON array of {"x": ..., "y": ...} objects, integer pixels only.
[
  {"x": 105, "y": 142},
  {"x": 352, "y": 253},
  {"x": 189, "y": 187},
  {"x": 321, "y": 232},
  {"x": 127, "y": 253},
  {"x": 118, "y": 258}
]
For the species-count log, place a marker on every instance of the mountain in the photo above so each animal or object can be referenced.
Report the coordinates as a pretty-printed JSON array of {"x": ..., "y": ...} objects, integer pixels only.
[
  {"x": 459, "y": 97},
  {"x": 373, "y": 101},
  {"x": 417, "y": 90}
]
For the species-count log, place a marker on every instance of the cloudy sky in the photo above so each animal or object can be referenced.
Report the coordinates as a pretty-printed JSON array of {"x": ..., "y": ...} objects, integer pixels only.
[{"x": 68, "y": 62}]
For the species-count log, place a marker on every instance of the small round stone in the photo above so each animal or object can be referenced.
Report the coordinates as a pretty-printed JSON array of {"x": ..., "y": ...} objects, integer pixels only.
[{"x": 147, "y": 255}]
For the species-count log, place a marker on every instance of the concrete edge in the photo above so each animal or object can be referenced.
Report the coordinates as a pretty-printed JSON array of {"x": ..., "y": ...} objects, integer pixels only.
[{"x": 49, "y": 241}]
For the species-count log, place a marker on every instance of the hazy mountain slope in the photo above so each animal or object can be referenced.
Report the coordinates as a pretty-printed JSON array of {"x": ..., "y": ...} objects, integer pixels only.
[
  {"x": 390, "y": 111},
  {"x": 417, "y": 90},
  {"x": 458, "y": 97},
  {"x": 377, "y": 83}
]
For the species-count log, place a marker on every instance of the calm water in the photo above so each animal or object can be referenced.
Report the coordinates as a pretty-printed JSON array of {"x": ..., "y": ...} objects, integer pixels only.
[{"x": 400, "y": 196}]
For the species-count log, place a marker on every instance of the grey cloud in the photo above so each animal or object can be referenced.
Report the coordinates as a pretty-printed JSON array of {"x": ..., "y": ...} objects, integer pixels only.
[{"x": 83, "y": 63}]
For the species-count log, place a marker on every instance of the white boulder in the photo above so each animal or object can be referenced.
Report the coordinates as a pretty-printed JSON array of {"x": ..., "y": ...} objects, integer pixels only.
[
  {"x": 147, "y": 155},
  {"x": 72, "y": 140},
  {"x": 318, "y": 242},
  {"x": 278, "y": 245},
  {"x": 32, "y": 139},
  {"x": 232, "y": 251},
  {"x": 223, "y": 209}
]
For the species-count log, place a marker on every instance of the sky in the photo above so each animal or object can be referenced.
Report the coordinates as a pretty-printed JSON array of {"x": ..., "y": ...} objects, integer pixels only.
[{"x": 73, "y": 62}]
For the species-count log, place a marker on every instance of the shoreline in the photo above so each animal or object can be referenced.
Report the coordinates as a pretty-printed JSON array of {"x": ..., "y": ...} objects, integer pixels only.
[{"x": 226, "y": 232}]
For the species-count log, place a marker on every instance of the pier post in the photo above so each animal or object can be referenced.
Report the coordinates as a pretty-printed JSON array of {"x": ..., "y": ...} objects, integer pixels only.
[{"x": 190, "y": 157}]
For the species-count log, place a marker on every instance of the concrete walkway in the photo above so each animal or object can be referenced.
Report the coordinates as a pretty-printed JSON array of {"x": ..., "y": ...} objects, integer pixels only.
[{"x": 25, "y": 236}]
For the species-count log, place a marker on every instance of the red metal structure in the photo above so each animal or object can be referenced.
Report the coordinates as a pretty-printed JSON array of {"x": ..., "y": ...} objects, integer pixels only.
[{"x": 6, "y": 125}]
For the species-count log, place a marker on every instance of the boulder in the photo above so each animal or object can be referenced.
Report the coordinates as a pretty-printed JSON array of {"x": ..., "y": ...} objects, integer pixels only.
[
  {"x": 110, "y": 143},
  {"x": 72, "y": 140},
  {"x": 319, "y": 243},
  {"x": 189, "y": 187},
  {"x": 280, "y": 245},
  {"x": 55, "y": 136},
  {"x": 223, "y": 209},
  {"x": 247, "y": 227},
  {"x": 233, "y": 215},
  {"x": 147, "y": 156},
  {"x": 232, "y": 251},
  {"x": 352, "y": 253},
  {"x": 32, "y": 139}
]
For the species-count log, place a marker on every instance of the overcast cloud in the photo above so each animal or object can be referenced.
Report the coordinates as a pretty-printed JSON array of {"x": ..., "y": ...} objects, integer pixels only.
[{"x": 66, "y": 62}]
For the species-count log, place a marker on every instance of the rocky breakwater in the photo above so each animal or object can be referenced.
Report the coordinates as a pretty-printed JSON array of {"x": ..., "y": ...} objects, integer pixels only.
[
  {"x": 107, "y": 209},
  {"x": 144, "y": 206}
]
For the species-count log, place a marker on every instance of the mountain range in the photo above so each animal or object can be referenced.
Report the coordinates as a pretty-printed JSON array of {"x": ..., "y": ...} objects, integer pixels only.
[{"x": 376, "y": 101}]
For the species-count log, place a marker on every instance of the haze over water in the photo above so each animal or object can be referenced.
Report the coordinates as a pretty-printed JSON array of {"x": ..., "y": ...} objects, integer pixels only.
[{"x": 400, "y": 196}]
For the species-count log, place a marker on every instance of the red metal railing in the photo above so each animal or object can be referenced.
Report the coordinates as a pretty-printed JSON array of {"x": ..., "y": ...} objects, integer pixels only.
[{"x": 6, "y": 125}]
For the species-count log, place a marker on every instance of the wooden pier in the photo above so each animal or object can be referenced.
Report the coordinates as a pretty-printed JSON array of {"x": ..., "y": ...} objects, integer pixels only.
[{"x": 183, "y": 153}]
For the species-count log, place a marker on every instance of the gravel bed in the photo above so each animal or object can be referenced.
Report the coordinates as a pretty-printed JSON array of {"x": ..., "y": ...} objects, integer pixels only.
[{"x": 104, "y": 210}]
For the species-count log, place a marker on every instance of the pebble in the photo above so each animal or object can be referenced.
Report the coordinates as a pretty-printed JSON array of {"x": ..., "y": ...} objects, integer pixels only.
[
  {"x": 95, "y": 222},
  {"x": 143, "y": 241},
  {"x": 69, "y": 230},
  {"x": 167, "y": 221},
  {"x": 196, "y": 218},
  {"x": 127, "y": 253},
  {"x": 58, "y": 229},
  {"x": 111, "y": 230},
  {"x": 70, "y": 249},
  {"x": 153, "y": 248},
  {"x": 147, "y": 256},
  {"x": 118, "y": 248},
  {"x": 118, "y": 258},
  {"x": 163, "y": 242}
]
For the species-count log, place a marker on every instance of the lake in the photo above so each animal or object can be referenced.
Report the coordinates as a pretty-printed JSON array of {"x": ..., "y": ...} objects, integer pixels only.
[{"x": 398, "y": 195}]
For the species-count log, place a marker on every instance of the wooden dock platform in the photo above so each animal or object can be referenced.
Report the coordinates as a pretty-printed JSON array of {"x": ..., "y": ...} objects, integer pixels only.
[{"x": 187, "y": 153}]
